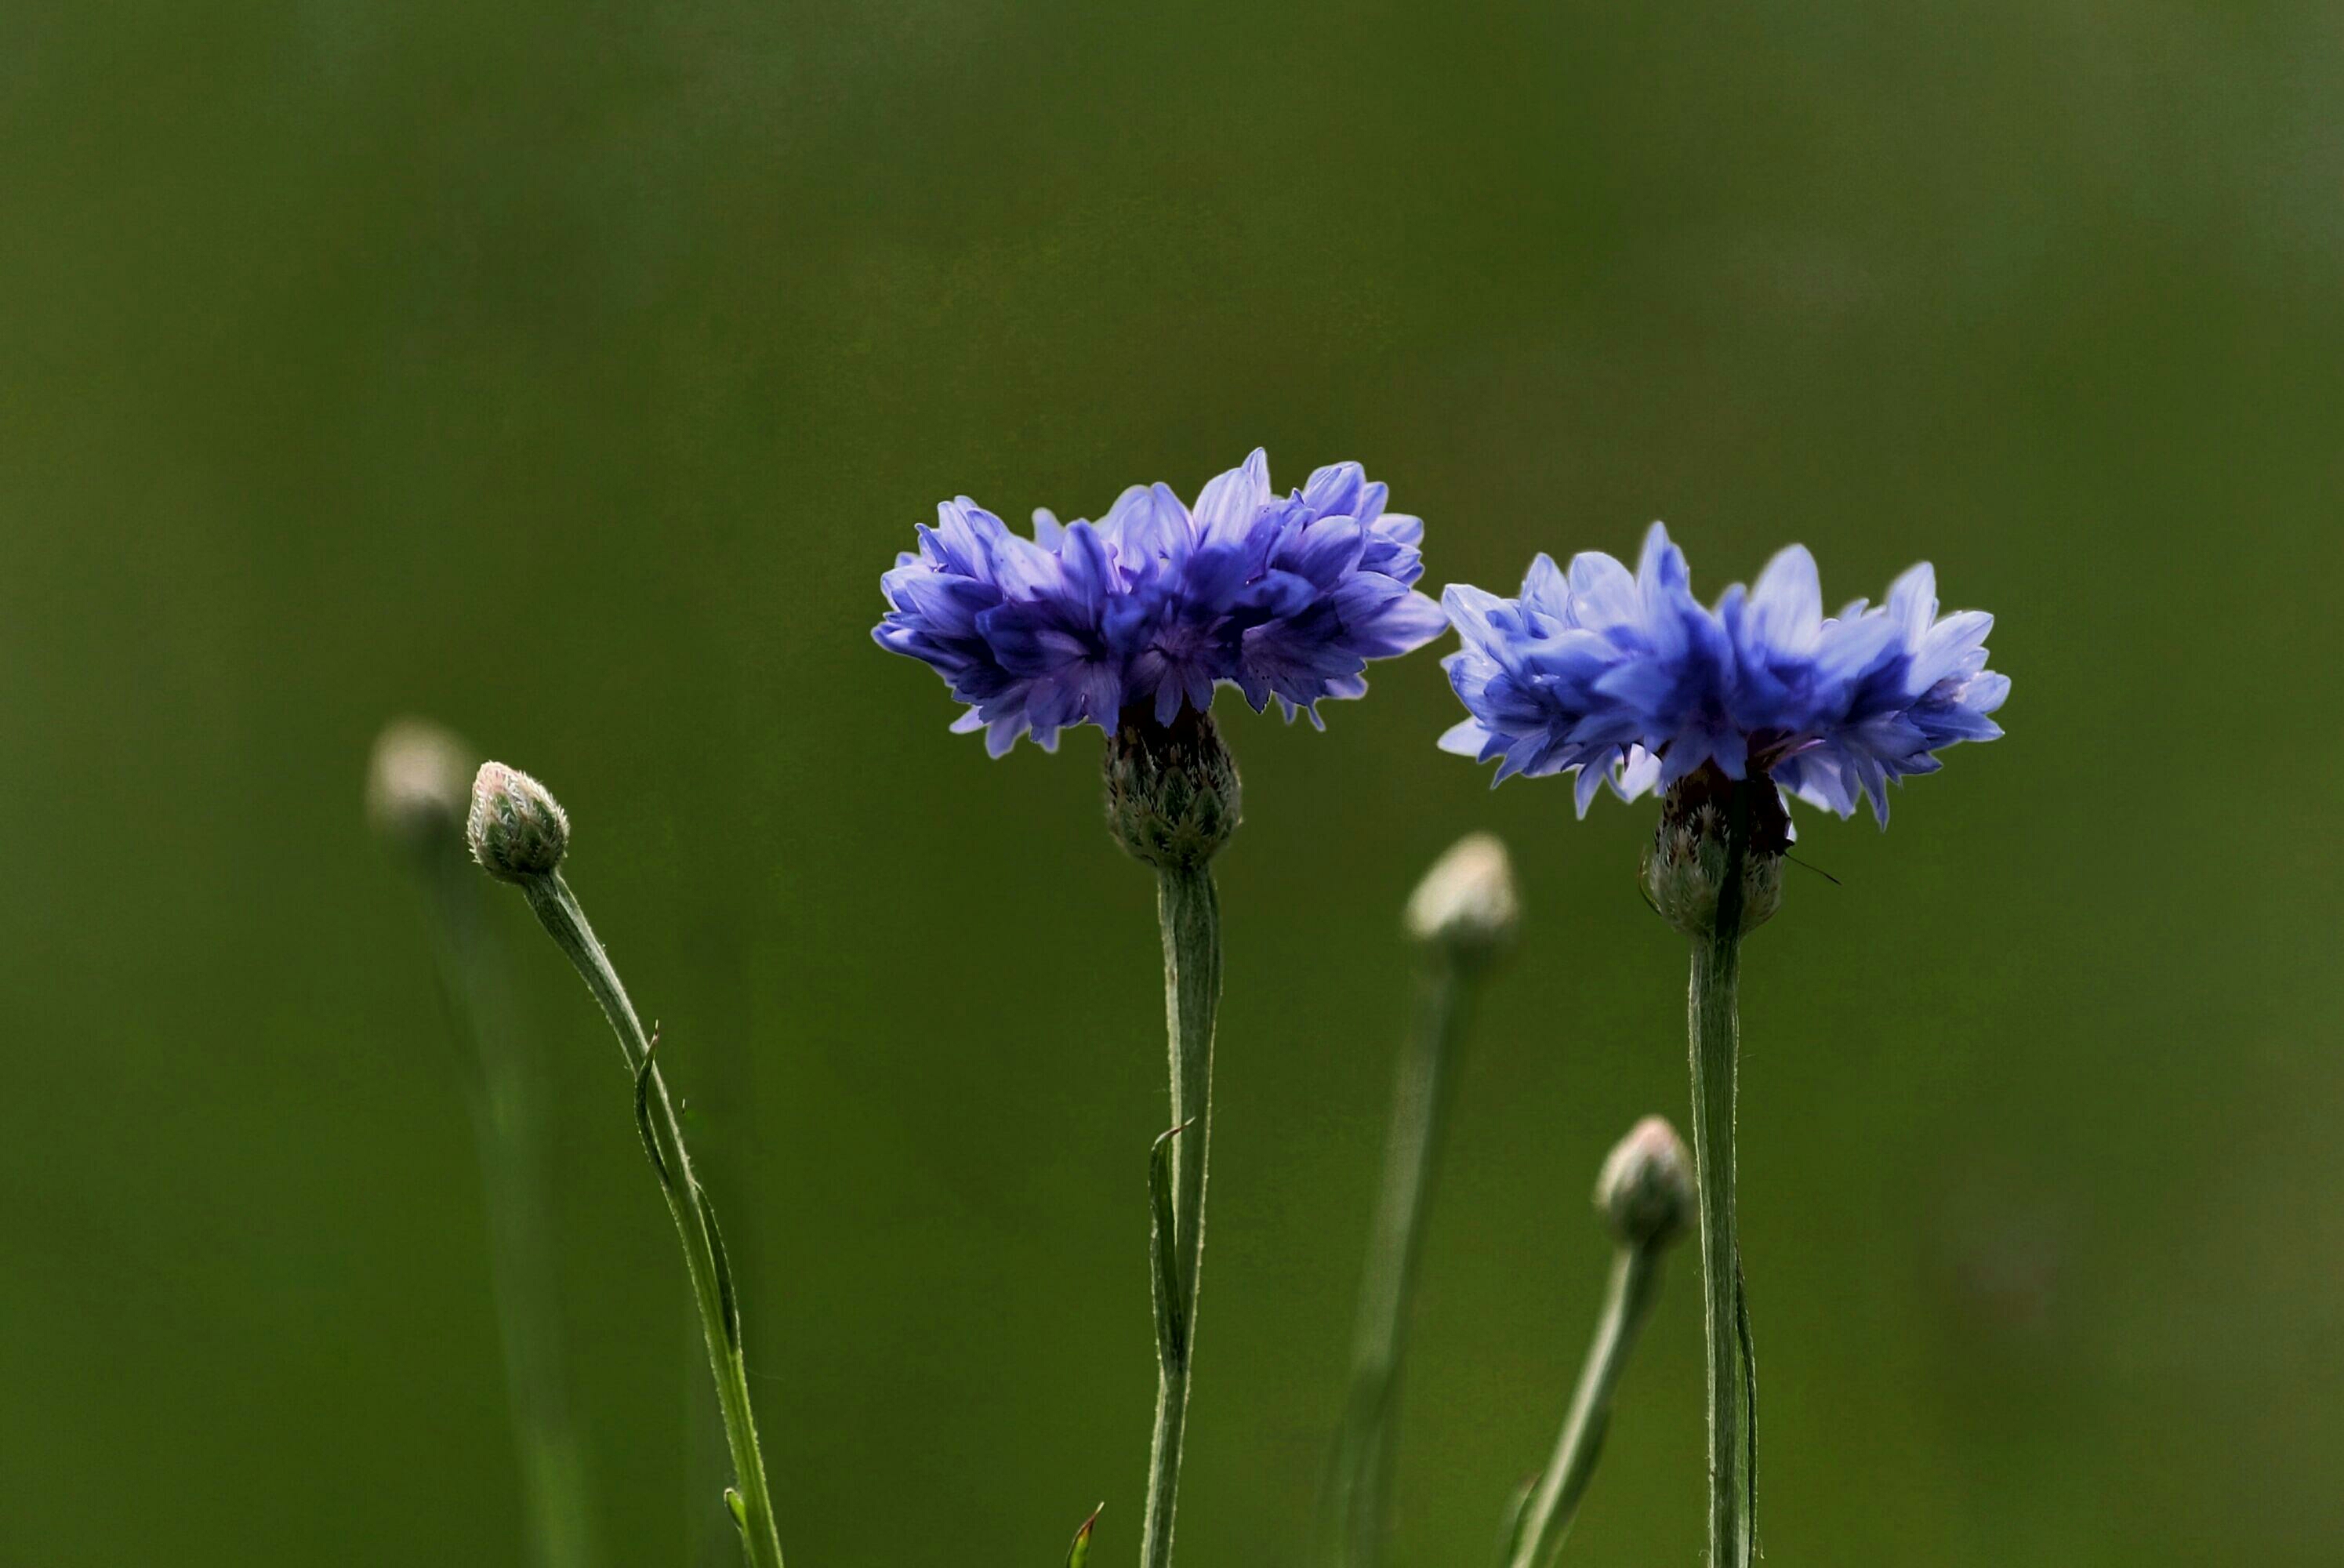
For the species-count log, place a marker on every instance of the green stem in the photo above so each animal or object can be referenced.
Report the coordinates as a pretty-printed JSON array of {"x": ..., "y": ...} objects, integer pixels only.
[
  {"x": 503, "y": 1091},
  {"x": 1188, "y": 910},
  {"x": 1714, "y": 1029},
  {"x": 1359, "y": 1488},
  {"x": 1554, "y": 1503},
  {"x": 721, "y": 1095},
  {"x": 695, "y": 1220}
]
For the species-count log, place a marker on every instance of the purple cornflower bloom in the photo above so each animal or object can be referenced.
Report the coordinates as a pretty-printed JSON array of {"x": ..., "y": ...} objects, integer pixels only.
[
  {"x": 1285, "y": 597},
  {"x": 1630, "y": 680}
]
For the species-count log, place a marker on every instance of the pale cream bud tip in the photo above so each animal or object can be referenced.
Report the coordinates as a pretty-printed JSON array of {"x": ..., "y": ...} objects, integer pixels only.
[
  {"x": 1645, "y": 1193},
  {"x": 418, "y": 785},
  {"x": 1467, "y": 902}
]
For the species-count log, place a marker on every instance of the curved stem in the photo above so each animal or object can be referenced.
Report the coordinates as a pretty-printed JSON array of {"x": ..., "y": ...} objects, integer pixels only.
[
  {"x": 1627, "y": 1301},
  {"x": 1360, "y": 1485},
  {"x": 503, "y": 1091},
  {"x": 1713, "y": 1025},
  {"x": 695, "y": 1220},
  {"x": 1188, "y": 911}
]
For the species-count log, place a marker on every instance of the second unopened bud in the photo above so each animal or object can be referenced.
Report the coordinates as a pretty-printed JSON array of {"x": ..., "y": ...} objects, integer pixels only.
[
  {"x": 1646, "y": 1193},
  {"x": 1467, "y": 903}
]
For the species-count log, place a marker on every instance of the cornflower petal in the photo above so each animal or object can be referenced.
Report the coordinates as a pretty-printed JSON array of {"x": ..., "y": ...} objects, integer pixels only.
[
  {"x": 1286, "y": 598},
  {"x": 1629, "y": 681}
]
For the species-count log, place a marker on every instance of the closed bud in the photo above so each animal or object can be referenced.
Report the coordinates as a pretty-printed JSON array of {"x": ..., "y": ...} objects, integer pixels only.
[
  {"x": 1465, "y": 905},
  {"x": 1172, "y": 795},
  {"x": 518, "y": 831},
  {"x": 418, "y": 784},
  {"x": 1645, "y": 1193},
  {"x": 1684, "y": 868}
]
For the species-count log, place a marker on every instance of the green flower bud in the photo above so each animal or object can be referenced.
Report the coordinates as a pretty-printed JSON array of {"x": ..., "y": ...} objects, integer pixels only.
[
  {"x": 1684, "y": 868},
  {"x": 1645, "y": 1193},
  {"x": 1172, "y": 795},
  {"x": 518, "y": 831},
  {"x": 1465, "y": 905}
]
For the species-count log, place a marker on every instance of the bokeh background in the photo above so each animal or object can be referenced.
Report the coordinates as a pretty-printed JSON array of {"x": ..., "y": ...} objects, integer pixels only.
[{"x": 569, "y": 372}]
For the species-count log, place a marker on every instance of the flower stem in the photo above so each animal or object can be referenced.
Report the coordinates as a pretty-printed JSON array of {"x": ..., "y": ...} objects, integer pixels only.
[
  {"x": 695, "y": 1220},
  {"x": 1360, "y": 1488},
  {"x": 1714, "y": 1029},
  {"x": 503, "y": 1094},
  {"x": 1188, "y": 911},
  {"x": 1554, "y": 1503}
]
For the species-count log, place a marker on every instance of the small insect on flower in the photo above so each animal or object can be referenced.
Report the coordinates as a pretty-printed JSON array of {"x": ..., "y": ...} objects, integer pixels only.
[
  {"x": 1150, "y": 608},
  {"x": 1633, "y": 683}
]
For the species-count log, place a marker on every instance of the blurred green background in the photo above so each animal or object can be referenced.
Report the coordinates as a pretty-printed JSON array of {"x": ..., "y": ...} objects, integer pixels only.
[{"x": 568, "y": 373}]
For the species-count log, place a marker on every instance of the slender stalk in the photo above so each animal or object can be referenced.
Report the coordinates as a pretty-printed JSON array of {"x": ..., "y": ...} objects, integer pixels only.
[
  {"x": 1359, "y": 1488},
  {"x": 1554, "y": 1502},
  {"x": 695, "y": 1220},
  {"x": 1188, "y": 911},
  {"x": 707, "y": 1450},
  {"x": 722, "y": 1073},
  {"x": 502, "y": 1082},
  {"x": 1714, "y": 1029}
]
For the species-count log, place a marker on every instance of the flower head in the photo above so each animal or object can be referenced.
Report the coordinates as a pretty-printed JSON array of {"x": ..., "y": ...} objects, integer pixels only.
[
  {"x": 418, "y": 786},
  {"x": 1466, "y": 905},
  {"x": 1645, "y": 1191},
  {"x": 1156, "y": 603},
  {"x": 1632, "y": 682},
  {"x": 518, "y": 831}
]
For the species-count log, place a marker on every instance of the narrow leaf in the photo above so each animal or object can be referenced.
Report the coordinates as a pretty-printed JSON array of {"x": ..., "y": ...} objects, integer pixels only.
[
  {"x": 1171, "y": 1311},
  {"x": 1517, "y": 1515},
  {"x": 1749, "y": 1412},
  {"x": 725, "y": 1299},
  {"x": 1081, "y": 1549},
  {"x": 643, "y": 1114}
]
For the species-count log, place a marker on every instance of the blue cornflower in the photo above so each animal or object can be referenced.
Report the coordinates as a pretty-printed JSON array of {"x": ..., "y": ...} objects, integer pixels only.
[
  {"x": 1632, "y": 682},
  {"x": 1154, "y": 604}
]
